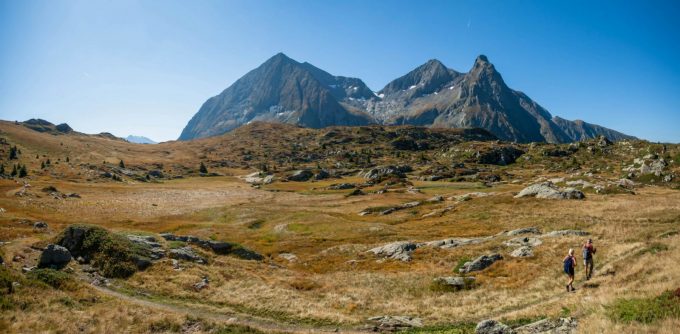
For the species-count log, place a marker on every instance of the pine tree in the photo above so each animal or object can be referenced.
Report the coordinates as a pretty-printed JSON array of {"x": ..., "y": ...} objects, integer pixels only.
[
  {"x": 42, "y": 165},
  {"x": 203, "y": 169},
  {"x": 23, "y": 172},
  {"x": 13, "y": 153},
  {"x": 2, "y": 169},
  {"x": 68, "y": 160},
  {"x": 121, "y": 164},
  {"x": 48, "y": 162},
  {"x": 14, "y": 171}
]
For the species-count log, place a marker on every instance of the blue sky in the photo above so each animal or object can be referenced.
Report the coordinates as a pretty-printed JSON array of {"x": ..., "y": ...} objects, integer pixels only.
[{"x": 145, "y": 67}]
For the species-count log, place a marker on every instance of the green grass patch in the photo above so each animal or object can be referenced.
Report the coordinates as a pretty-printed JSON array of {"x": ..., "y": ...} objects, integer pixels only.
[
  {"x": 460, "y": 264},
  {"x": 458, "y": 328},
  {"x": 176, "y": 244},
  {"x": 654, "y": 248},
  {"x": 54, "y": 278},
  {"x": 646, "y": 310}
]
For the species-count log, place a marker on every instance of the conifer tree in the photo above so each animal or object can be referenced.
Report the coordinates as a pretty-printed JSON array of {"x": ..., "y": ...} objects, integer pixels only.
[{"x": 203, "y": 169}]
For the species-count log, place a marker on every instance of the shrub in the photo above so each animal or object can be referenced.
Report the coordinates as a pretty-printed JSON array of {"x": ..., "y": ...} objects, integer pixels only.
[
  {"x": 113, "y": 254},
  {"x": 54, "y": 278},
  {"x": 646, "y": 310}
]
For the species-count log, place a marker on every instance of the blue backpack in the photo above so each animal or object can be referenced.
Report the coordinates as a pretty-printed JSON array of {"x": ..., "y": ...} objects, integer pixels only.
[{"x": 568, "y": 264}]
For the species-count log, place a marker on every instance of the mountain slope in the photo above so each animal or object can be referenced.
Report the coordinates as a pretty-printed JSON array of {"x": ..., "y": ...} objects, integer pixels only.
[
  {"x": 280, "y": 90},
  {"x": 283, "y": 90}
]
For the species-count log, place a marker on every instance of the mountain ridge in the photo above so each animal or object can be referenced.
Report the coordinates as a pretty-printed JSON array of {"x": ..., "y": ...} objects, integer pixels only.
[{"x": 284, "y": 90}]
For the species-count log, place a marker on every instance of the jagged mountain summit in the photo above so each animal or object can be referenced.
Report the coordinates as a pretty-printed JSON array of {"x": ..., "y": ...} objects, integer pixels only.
[
  {"x": 284, "y": 90},
  {"x": 281, "y": 90}
]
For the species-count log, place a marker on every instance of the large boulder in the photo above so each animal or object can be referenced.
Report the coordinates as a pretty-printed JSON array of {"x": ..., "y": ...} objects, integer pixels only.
[
  {"x": 187, "y": 254},
  {"x": 550, "y": 191},
  {"x": 563, "y": 233},
  {"x": 549, "y": 326},
  {"x": 400, "y": 250},
  {"x": 378, "y": 173},
  {"x": 493, "y": 327},
  {"x": 389, "y": 323},
  {"x": 54, "y": 256},
  {"x": 524, "y": 251},
  {"x": 480, "y": 263},
  {"x": 301, "y": 175},
  {"x": 503, "y": 155},
  {"x": 456, "y": 283}
]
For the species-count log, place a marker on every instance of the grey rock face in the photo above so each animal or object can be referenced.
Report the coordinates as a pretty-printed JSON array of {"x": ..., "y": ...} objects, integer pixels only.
[
  {"x": 480, "y": 263},
  {"x": 394, "y": 323},
  {"x": 300, "y": 175},
  {"x": 457, "y": 282},
  {"x": 397, "y": 250},
  {"x": 54, "y": 256},
  {"x": 40, "y": 225},
  {"x": 283, "y": 90},
  {"x": 548, "y": 190},
  {"x": 524, "y": 251},
  {"x": 187, "y": 254},
  {"x": 550, "y": 326},
  {"x": 563, "y": 233},
  {"x": 386, "y": 171},
  {"x": 503, "y": 155},
  {"x": 526, "y": 230},
  {"x": 493, "y": 327},
  {"x": 524, "y": 241}
]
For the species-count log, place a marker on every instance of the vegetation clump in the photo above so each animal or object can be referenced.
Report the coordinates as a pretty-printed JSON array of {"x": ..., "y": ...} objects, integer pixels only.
[
  {"x": 54, "y": 278},
  {"x": 647, "y": 310},
  {"x": 113, "y": 254}
]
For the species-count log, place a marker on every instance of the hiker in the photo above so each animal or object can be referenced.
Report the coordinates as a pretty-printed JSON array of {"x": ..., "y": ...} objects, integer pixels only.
[
  {"x": 588, "y": 251},
  {"x": 569, "y": 266}
]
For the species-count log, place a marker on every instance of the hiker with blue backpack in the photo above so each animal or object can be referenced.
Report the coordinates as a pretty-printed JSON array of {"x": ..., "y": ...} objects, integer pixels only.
[
  {"x": 569, "y": 267},
  {"x": 588, "y": 251}
]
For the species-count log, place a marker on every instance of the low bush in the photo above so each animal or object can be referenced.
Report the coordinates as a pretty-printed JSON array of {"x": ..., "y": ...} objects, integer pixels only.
[
  {"x": 54, "y": 278},
  {"x": 646, "y": 310}
]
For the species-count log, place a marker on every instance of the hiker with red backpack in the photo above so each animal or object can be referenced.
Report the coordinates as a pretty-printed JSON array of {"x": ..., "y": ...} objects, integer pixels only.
[
  {"x": 569, "y": 267},
  {"x": 588, "y": 251}
]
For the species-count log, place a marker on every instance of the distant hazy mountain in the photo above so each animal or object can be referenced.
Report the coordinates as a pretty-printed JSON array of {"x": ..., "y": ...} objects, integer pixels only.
[
  {"x": 139, "y": 140},
  {"x": 283, "y": 90}
]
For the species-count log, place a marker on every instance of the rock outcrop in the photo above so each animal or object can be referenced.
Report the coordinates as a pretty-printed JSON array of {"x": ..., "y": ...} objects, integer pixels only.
[
  {"x": 54, "y": 256},
  {"x": 550, "y": 191}
]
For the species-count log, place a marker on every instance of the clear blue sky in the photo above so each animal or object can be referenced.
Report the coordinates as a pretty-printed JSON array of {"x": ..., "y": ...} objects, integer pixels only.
[{"x": 145, "y": 67}]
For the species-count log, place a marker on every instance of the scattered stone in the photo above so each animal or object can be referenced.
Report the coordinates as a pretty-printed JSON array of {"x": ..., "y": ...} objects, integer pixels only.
[
  {"x": 525, "y": 230},
  {"x": 218, "y": 247},
  {"x": 175, "y": 265},
  {"x": 26, "y": 269},
  {"x": 155, "y": 249},
  {"x": 342, "y": 186},
  {"x": 186, "y": 253},
  {"x": 504, "y": 155},
  {"x": 259, "y": 178},
  {"x": 457, "y": 282},
  {"x": 54, "y": 256},
  {"x": 549, "y": 326},
  {"x": 386, "y": 171},
  {"x": 580, "y": 183},
  {"x": 394, "y": 323},
  {"x": 455, "y": 242},
  {"x": 438, "y": 212},
  {"x": 523, "y": 241},
  {"x": 480, "y": 263},
  {"x": 40, "y": 225},
  {"x": 563, "y": 233},
  {"x": 322, "y": 175},
  {"x": 524, "y": 251},
  {"x": 301, "y": 175},
  {"x": 288, "y": 257},
  {"x": 202, "y": 284},
  {"x": 356, "y": 192},
  {"x": 550, "y": 191},
  {"x": 17, "y": 258},
  {"x": 435, "y": 199},
  {"x": 603, "y": 141},
  {"x": 468, "y": 196},
  {"x": 400, "y": 250},
  {"x": 493, "y": 327}
]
